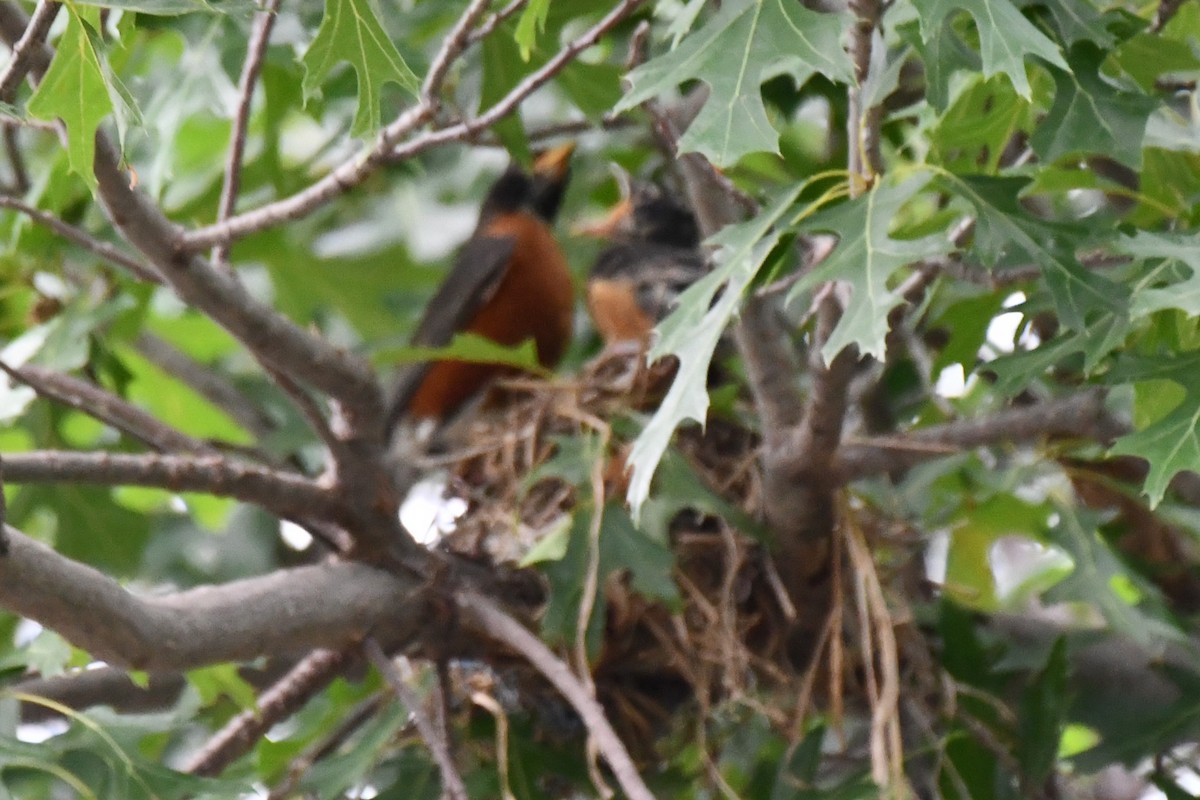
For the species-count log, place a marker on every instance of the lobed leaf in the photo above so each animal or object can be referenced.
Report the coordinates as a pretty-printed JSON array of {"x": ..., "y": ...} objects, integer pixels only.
[
  {"x": 350, "y": 31},
  {"x": 746, "y": 43}
]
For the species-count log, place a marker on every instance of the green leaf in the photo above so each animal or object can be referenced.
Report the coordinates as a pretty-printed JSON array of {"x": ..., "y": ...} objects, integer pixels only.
[
  {"x": 1181, "y": 249},
  {"x": 173, "y": 8},
  {"x": 1078, "y": 20},
  {"x": 222, "y": 680},
  {"x": 1090, "y": 115},
  {"x": 623, "y": 548},
  {"x": 1101, "y": 580},
  {"x": 502, "y": 70},
  {"x": 974, "y": 132},
  {"x": 1145, "y": 57},
  {"x": 1006, "y": 38},
  {"x": 469, "y": 347},
  {"x": 531, "y": 23},
  {"x": 692, "y": 331},
  {"x": 351, "y": 32},
  {"x": 867, "y": 257},
  {"x": 943, "y": 55},
  {"x": 746, "y": 43},
  {"x": 1172, "y": 444},
  {"x": 1095, "y": 343},
  {"x": 970, "y": 578},
  {"x": 1043, "y": 715},
  {"x": 74, "y": 91},
  {"x": 1006, "y": 234}
]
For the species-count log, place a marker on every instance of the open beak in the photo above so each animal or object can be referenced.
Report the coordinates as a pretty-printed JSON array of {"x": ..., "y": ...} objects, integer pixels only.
[
  {"x": 553, "y": 163},
  {"x": 609, "y": 225}
]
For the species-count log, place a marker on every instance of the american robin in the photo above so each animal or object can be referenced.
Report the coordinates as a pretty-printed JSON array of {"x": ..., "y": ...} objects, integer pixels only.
[
  {"x": 509, "y": 283},
  {"x": 654, "y": 256}
]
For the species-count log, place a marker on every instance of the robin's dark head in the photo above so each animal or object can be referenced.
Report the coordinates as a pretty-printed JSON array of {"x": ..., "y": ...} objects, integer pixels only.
[
  {"x": 657, "y": 217},
  {"x": 551, "y": 171},
  {"x": 540, "y": 192},
  {"x": 648, "y": 214}
]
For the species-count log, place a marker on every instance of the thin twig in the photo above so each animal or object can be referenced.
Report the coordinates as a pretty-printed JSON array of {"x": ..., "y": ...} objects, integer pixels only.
[
  {"x": 358, "y": 717},
  {"x": 24, "y": 52},
  {"x": 16, "y": 160},
  {"x": 282, "y": 493},
  {"x": 207, "y": 382},
  {"x": 107, "y": 408},
  {"x": 256, "y": 51},
  {"x": 453, "y": 45},
  {"x": 283, "y": 699},
  {"x": 308, "y": 409},
  {"x": 496, "y": 624},
  {"x": 387, "y": 147},
  {"x": 452, "y": 782},
  {"x": 3, "y": 513},
  {"x": 83, "y": 239},
  {"x": 1080, "y": 415},
  {"x": 495, "y": 20}
]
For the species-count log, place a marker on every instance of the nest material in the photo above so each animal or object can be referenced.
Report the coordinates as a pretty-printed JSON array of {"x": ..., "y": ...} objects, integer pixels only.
[{"x": 730, "y": 639}]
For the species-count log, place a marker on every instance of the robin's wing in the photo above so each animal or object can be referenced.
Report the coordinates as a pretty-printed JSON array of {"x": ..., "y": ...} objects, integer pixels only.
[{"x": 478, "y": 271}]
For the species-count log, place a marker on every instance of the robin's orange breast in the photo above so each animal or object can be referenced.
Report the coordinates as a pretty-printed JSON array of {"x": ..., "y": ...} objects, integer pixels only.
[{"x": 533, "y": 300}]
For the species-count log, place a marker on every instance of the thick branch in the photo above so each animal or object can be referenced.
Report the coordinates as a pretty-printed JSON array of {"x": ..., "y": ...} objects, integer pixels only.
[
  {"x": 287, "y": 611},
  {"x": 283, "y": 493},
  {"x": 1081, "y": 415},
  {"x": 106, "y": 407},
  {"x": 269, "y": 335},
  {"x": 386, "y": 147},
  {"x": 796, "y": 476}
]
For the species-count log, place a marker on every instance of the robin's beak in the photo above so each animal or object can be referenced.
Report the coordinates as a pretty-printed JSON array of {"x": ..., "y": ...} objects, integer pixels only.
[
  {"x": 609, "y": 225},
  {"x": 554, "y": 163}
]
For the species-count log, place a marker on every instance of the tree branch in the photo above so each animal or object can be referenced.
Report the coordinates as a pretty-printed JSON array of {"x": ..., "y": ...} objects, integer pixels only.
[
  {"x": 107, "y": 408},
  {"x": 264, "y": 22},
  {"x": 283, "y": 699},
  {"x": 1082, "y": 415},
  {"x": 282, "y": 493},
  {"x": 453, "y": 45},
  {"x": 493, "y": 623},
  {"x": 796, "y": 461},
  {"x": 112, "y": 687},
  {"x": 207, "y": 382},
  {"x": 25, "y": 51},
  {"x": 16, "y": 161},
  {"x": 287, "y": 611},
  {"x": 387, "y": 147},
  {"x": 83, "y": 239},
  {"x": 270, "y": 336},
  {"x": 495, "y": 20},
  {"x": 452, "y": 782}
]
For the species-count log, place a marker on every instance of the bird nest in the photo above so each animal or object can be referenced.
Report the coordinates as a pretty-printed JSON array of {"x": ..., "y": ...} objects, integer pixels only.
[{"x": 731, "y": 636}]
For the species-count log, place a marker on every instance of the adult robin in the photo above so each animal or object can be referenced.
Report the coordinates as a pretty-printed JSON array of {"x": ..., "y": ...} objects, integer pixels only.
[
  {"x": 655, "y": 254},
  {"x": 509, "y": 283}
]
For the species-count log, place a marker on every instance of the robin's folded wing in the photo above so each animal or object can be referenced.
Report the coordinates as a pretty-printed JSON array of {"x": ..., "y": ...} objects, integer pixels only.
[{"x": 478, "y": 271}]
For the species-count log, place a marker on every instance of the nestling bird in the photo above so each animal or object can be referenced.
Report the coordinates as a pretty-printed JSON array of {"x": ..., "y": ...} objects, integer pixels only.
[
  {"x": 509, "y": 283},
  {"x": 654, "y": 256}
]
